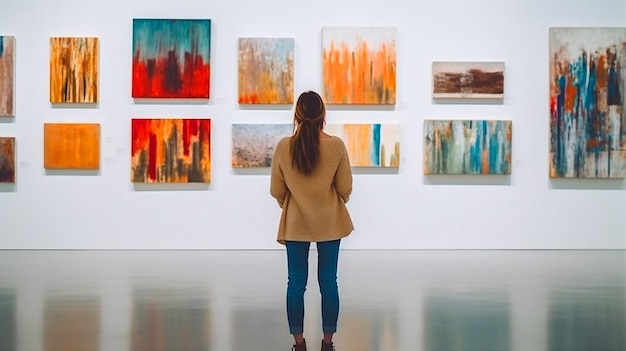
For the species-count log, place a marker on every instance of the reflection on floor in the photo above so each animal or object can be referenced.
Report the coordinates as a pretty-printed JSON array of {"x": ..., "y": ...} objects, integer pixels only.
[{"x": 390, "y": 300}]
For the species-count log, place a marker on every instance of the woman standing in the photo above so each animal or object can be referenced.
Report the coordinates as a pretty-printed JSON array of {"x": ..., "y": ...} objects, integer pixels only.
[{"x": 312, "y": 181}]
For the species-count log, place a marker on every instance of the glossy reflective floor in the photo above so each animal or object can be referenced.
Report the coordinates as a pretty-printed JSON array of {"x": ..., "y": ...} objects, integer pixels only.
[{"x": 390, "y": 300}]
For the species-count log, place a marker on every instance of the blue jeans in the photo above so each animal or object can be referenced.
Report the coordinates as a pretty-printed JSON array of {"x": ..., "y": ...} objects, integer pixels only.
[{"x": 298, "y": 272}]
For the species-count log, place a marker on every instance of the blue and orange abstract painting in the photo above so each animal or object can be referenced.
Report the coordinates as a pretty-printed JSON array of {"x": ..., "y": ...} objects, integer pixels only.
[
  {"x": 467, "y": 147},
  {"x": 587, "y": 93},
  {"x": 171, "y": 58},
  {"x": 266, "y": 70},
  {"x": 369, "y": 145},
  {"x": 7, "y": 54}
]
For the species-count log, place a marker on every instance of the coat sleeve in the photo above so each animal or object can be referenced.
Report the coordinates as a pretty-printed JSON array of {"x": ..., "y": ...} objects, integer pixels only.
[
  {"x": 343, "y": 176},
  {"x": 278, "y": 187}
]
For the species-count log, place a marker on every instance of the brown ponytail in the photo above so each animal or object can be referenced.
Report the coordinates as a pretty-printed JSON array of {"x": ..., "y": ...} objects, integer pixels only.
[{"x": 308, "y": 122}]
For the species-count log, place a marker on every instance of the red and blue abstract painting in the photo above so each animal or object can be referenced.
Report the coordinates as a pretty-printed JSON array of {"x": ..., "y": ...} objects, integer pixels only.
[
  {"x": 587, "y": 93},
  {"x": 171, "y": 58}
]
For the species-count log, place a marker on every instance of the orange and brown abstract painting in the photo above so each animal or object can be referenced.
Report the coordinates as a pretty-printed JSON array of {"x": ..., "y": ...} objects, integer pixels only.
[
  {"x": 171, "y": 150},
  {"x": 71, "y": 146},
  {"x": 359, "y": 65},
  {"x": 266, "y": 70},
  {"x": 7, "y": 160},
  {"x": 73, "y": 70},
  {"x": 7, "y": 57}
]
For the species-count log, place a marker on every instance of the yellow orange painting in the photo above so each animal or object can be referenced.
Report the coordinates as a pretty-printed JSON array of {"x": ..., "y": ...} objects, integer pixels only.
[
  {"x": 71, "y": 146},
  {"x": 73, "y": 70},
  {"x": 359, "y": 65}
]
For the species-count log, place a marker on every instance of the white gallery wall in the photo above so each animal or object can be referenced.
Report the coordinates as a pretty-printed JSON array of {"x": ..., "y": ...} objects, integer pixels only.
[{"x": 391, "y": 210}]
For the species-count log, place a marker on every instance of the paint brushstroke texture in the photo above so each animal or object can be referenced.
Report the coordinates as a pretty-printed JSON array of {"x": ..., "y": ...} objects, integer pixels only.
[
  {"x": 7, "y": 59},
  {"x": 73, "y": 70},
  {"x": 467, "y": 147},
  {"x": 266, "y": 70},
  {"x": 587, "y": 93},
  {"x": 171, "y": 150},
  {"x": 171, "y": 58},
  {"x": 7, "y": 160},
  {"x": 254, "y": 144},
  {"x": 359, "y": 65},
  {"x": 72, "y": 146}
]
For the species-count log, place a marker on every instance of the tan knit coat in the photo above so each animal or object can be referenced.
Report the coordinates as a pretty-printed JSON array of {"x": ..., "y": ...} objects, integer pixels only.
[{"x": 313, "y": 206}]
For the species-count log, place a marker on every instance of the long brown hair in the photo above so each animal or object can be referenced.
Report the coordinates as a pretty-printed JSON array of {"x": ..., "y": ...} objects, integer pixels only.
[{"x": 308, "y": 122}]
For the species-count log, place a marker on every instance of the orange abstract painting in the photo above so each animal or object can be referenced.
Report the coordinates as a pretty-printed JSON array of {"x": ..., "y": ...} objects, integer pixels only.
[
  {"x": 171, "y": 150},
  {"x": 71, "y": 146},
  {"x": 359, "y": 65},
  {"x": 7, "y": 75},
  {"x": 266, "y": 70},
  {"x": 73, "y": 70}
]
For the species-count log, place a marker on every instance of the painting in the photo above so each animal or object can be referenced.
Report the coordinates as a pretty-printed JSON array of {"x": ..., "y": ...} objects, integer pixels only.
[
  {"x": 171, "y": 58},
  {"x": 266, "y": 70},
  {"x": 7, "y": 160},
  {"x": 467, "y": 147},
  {"x": 171, "y": 150},
  {"x": 71, "y": 146},
  {"x": 7, "y": 75},
  {"x": 253, "y": 144},
  {"x": 359, "y": 65},
  {"x": 73, "y": 70},
  {"x": 369, "y": 145},
  {"x": 468, "y": 80},
  {"x": 587, "y": 94}
]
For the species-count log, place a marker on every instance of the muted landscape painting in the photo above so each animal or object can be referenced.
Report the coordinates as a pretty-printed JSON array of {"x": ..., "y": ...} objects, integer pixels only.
[
  {"x": 171, "y": 58},
  {"x": 7, "y": 160},
  {"x": 467, "y": 147},
  {"x": 359, "y": 65},
  {"x": 73, "y": 70},
  {"x": 369, "y": 145},
  {"x": 266, "y": 70},
  {"x": 71, "y": 146},
  {"x": 7, "y": 75},
  {"x": 171, "y": 150},
  {"x": 254, "y": 144},
  {"x": 587, "y": 94},
  {"x": 468, "y": 80}
]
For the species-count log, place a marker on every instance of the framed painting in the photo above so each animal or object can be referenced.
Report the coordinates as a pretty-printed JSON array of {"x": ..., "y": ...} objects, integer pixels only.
[
  {"x": 71, "y": 146},
  {"x": 369, "y": 145},
  {"x": 467, "y": 147},
  {"x": 171, "y": 150},
  {"x": 7, "y": 75},
  {"x": 7, "y": 160},
  {"x": 73, "y": 70},
  {"x": 468, "y": 80},
  {"x": 254, "y": 144},
  {"x": 266, "y": 70},
  {"x": 359, "y": 65},
  {"x": 587, "y": 94},
  {"x": 171, "y": 58}
]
